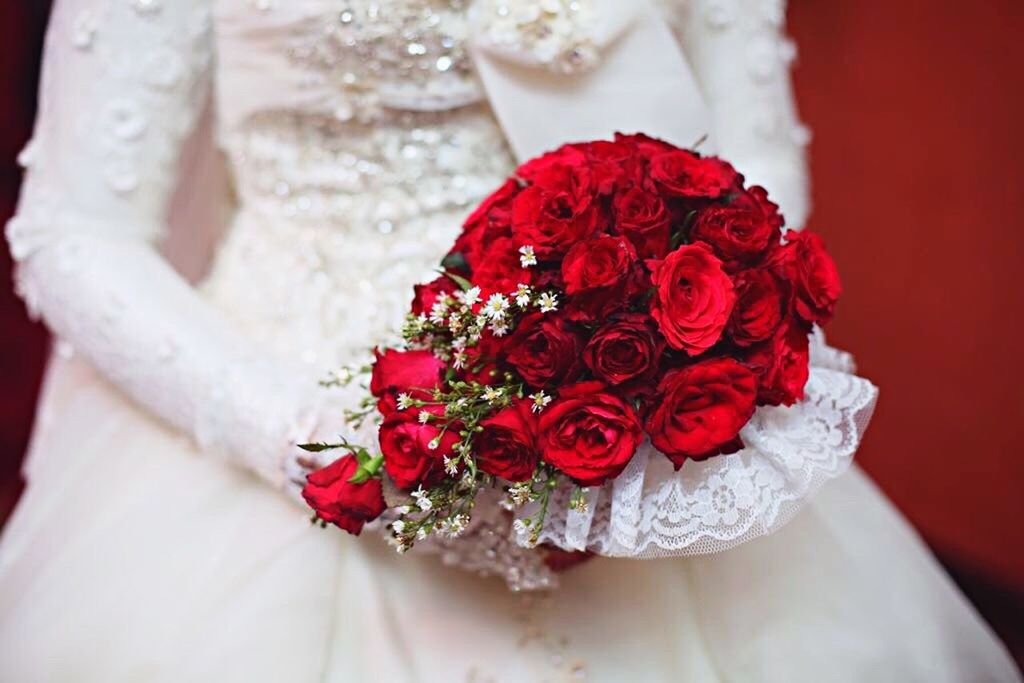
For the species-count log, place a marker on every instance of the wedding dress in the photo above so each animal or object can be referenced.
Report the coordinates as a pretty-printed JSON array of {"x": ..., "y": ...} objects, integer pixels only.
[{"x": 151, "y": 545}]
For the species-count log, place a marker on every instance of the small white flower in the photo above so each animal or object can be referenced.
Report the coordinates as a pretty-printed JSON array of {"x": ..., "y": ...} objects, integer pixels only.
[
  {"x": 520, "y": 494},
  {"x": 495, "y": 307},
  {"x": 451, "y": 466},
  {"x": 405, "y": 401},
  {"x": 423, "y": 417},
  {"x": 522, "y": 295},
  {"x": 403, "y": 510},
  {"x": 521, "y": 526},
  {"x": 457, "y": 525},
  {"x": 421, "y": 533},
  {"x": 438, "y": 312},
  {"x": 459, "y": 360},
  {"x": 492, "y": 394},
  {"x": 527, "y": 258},
  {"x": 424, "y": 504},
  {"x": 398, "y": 525},
  {"x": 455, "y": 325},
  {"x": 540, "y": 401},
  {"x": 499, "y": 329},
  {"x": 470, "y": 296},
  {"x": 547, "y": 302}
]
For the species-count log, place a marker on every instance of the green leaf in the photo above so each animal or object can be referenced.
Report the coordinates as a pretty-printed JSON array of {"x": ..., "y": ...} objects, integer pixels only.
[
  {"x": 318, "y": 447},
  {"x": 458, "y": 279},
  {"x": 455, "y": 261}
]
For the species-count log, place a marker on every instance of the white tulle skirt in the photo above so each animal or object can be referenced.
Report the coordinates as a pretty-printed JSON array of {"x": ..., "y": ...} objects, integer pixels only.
[{"x": 134, "y": 558}]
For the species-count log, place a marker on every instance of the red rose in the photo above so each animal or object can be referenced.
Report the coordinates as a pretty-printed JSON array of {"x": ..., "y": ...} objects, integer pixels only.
[
  {"x": 557, "y": 210},
  {"x": 740, "y": 233},
  {"x": 406, "y": 443},
  {"x": 556, "y": 170},
  {"x": 643, "y": 218},
  {"x": 588, "y": 434},
  {"x": 481, "y": 360},
  {"x": 701, "y": 408},
  {"x": 491, "y": 220},
  {"x": 544, "y": 349},
  {"x": 759, "y": 307},
  {"x": 645, "y": 145},
  {"x": 814, "y": 276},
  {"x": 783, "y": 365},
  {"x": 501, "y": 270},
  {"x": 625, "y": 350},
  {"x": 506, "y": 446},
  {"x": 598, "y": 274},
  {"x": 416, "y": 373},
  {"x": 611, "y": 163},
  {"x": 679, "y": 173},
  {"x": 694, "y": 298},
  {"x": 425, "y": 296},
  {"x": 340, "y": 502}
]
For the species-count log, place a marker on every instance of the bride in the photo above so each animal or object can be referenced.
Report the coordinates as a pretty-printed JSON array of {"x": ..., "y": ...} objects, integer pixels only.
[{"x": 158, "y": 539}]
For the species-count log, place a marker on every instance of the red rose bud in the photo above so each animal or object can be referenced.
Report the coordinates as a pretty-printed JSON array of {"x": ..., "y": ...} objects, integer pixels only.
[
  {"x": 589, "y": 434},
  {"x": 414, "y": 451},
  {"x": 625, "y": 350},
  {"x": 644, "y": 220},
  {"x": 416, "y": 373},
  {"x": 679, "y": 173},
  {"x": 694, "y": 298},
  {"x": 545, "y": 349},
  {"x": 506, "y": 446},
  {"x": 338, "y": 501},
  {"x": 701, "y": 408},
  {"x": 759, "y": 307},
  {"x": 783, "y": 365}
]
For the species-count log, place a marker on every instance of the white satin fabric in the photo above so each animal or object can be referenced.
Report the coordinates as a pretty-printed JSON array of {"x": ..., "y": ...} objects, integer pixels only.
[{"x": 357, "y": 137}]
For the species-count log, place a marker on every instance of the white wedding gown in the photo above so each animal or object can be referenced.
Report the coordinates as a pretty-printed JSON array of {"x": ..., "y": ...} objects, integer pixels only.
[{"x": 357, "y": 138}]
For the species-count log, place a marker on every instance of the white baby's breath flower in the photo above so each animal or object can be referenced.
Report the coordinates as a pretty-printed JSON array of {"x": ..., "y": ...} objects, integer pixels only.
[
  {"x": 520, "y": 494},
  {"x": 527, "y": 258},
  {"x": 492, "y": 394},
  {"x": 398, "y": 525},
  {"x": 405, "y": 401},
  {"x": 424, "y": 417},
  {"x": 522, "y": 295},
  {"x": 499, "y": 329},
  {"x": 540, "y": 401},
  {"x": 421, "y": 533},
  {"x": 470, "y": 296},
  {"x": 424, "y": 504},
  {"x": 451, "y": 466},
  {"x": 495, "y": 307},
  {"x": 547, "y": 302},
  {"x": 521, "y": 526},
  {"x": 457, "y": 525},
  {"x": 403, "y": 509},
  {"x": 438, "y": 312},
  {"x": 459, "y": 360}
]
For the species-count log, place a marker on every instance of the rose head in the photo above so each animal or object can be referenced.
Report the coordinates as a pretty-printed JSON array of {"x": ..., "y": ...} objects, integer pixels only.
[
  {"x": 545, "y": 349},
  {"x": 625, "y": 350},
  {"x": 557, "y": 210},
  {"x": 814, "y": 276},
  {"x": 701, "y": 408},
  {"x": 406, "y": 444},
  {"x": 759, "y": 308},
  {"x": 507, "y": 443},
  {"x": 643, "y": 219},
  {"x": 599, "y": 275},
  {"x": 679, "y": 173},
  {"x": 589, "y": 434},
  {"x": 425, "y": 296},
  {"x": 740, "y": 233},
  {"x": 694, "y": 298},
  {"x": 783, "y": 365},
  {"x": 416, "y": 373},
  {"x": 491, "y": 220},
  {"x": 338, "y": 501}
]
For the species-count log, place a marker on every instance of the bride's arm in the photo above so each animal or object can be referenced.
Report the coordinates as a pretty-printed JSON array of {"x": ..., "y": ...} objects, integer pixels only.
[
  {"x": 123, "y": 82},
  {"x": 742, "y": 56}
]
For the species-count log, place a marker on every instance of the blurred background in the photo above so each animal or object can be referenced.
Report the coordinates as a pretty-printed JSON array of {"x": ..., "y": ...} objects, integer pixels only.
[{"x": 918, "y": 164}]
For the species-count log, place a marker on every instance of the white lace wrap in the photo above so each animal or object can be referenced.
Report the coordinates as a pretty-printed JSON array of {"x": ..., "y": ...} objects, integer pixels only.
[{"x": 652, "y": 511}]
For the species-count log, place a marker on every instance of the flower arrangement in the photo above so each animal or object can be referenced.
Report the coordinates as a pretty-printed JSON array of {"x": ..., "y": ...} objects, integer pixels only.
[{"x": 609, "y": 292}]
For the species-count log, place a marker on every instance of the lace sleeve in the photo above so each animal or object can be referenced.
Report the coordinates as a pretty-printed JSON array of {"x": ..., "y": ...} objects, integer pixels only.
[
  {"x": 742, "y": 57},
  {"x": 123, "y": 83}
]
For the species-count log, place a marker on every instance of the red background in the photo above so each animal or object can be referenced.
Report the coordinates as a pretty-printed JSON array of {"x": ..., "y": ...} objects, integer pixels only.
[{"x": 916, "y": 161}]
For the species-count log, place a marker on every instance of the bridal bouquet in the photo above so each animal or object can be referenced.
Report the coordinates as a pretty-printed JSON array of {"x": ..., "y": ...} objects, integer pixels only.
[{"x": 610, "y": 292}]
